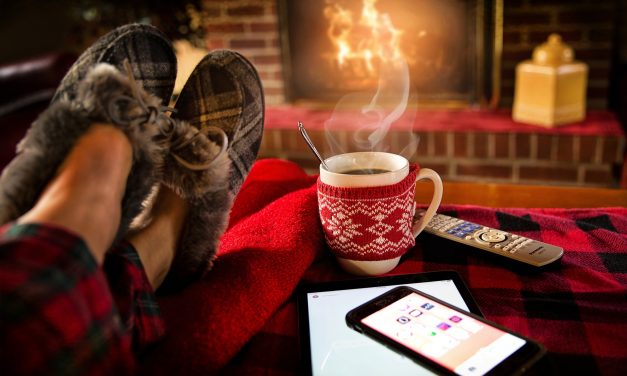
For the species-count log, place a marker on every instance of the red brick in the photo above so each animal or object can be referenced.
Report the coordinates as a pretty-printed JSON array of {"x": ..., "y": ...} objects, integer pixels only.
[
  {"x": 273, "y": 91},
  {"x": 526, "y": 17},
  {"x": 507, "y": 92},
  {"x": 267, "y": 59},
  {"x": 599, "y": 177},
  {"x": 460, "y": 145},
  {"x": 563, "y": 174},
  {"x": 565, "y": 151},
  {"x": 610, "y": 149},
  {"x": 421, "y": 150},
  {"x": 441, "y": 168},
  {"x": 271, "y": 7},
  {"x": 501, "y": 145},
  {"x": 568, "y": 36},
  {"x": 308, "y": 163},
  {"x": 266, "y": 75},
  {"x": 559, "y": 3},
  {"x": 597, "y": 92},
  {"x": 596, "y": 103},
  {"x": 544, "y": 146},
  {"x": 508, "y": 73},
  {"x": 248, "y": 10},
  {"x": 595, "y": 73},
  {"x": 270, "y": 145},
  {"x": 215, "y": 43},
  {"x": 247, "y": 43},
  {"x": 516, "y": 55},
  {"x": 263, "y": 26},
  {"x": 289, "y": 140},
  {"x": 484, "y": 170},
  {"x": 514, "y": 4},
  {"x": 587, "y": 148},
  {"x": 319, "y": 138},
  {"x": 586, "y": 16},
  {"x": 523, "y": 145},
  {"x": 231, "y": 27},
  {"x": 593, "y": 54},
  {"x": 481, "y": 145},
  {"x": 439, "y": 143},
  {"x": 600, "y": 35},
  {"x": 512, "y": 37},
  {"x": 211, "y": 12}
]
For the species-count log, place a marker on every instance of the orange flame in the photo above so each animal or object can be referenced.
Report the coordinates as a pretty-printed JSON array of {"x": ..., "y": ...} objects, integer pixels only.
[{"x": 361, "y": 45}]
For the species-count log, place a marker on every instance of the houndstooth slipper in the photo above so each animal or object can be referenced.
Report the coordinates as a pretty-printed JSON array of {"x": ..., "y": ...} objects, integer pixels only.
[
  {"x": 223, "y": 100},
  {"x": 105, "y": 95}
]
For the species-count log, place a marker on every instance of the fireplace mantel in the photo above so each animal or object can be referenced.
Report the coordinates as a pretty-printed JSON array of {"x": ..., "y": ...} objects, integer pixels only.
[{"x": 468, "y": 145}]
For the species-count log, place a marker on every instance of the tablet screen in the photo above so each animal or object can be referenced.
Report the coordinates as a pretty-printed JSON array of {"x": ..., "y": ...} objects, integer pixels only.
[{"x": 335, "y": 349}]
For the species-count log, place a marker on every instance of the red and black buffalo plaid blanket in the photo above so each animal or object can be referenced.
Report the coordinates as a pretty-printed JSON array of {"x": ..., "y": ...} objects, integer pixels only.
[{"x": 242, "y": 318}]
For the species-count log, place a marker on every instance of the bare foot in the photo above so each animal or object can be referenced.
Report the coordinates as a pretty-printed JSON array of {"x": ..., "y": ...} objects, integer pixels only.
[
  {"x": 156, "y": 244},
  {"x": 85, "y": 197}
]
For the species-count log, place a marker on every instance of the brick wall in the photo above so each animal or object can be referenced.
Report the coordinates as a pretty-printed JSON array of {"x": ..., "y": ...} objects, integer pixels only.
[
  {"x": 251, "y": 28},
  {"x": 497, "y": 149},
  {"x": 586, "y": 25}
]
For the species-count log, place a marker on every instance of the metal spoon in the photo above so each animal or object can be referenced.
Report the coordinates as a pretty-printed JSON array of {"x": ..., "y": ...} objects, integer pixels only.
[{"x": 311, "y": 145}]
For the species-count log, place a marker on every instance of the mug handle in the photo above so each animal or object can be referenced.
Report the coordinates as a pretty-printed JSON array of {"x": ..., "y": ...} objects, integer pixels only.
[{"x": 427, "y": 173}]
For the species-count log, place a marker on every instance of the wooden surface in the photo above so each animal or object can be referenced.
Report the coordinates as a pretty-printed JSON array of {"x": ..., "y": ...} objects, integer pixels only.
[{"x": 523, "y": 196}]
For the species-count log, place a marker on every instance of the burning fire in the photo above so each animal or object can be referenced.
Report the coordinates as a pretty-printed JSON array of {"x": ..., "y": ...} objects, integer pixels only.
[{"x": 364, "y": 43}]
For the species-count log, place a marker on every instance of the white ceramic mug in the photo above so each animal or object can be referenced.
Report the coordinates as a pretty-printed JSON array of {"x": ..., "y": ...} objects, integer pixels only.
[{"x": 343, "y": 218}]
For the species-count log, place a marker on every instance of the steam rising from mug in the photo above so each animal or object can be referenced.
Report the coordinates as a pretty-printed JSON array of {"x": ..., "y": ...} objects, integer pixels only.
[{"x": 368, "y": 117}]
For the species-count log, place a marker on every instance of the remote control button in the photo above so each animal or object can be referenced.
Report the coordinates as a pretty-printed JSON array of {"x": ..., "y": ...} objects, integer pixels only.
[
  {"x": 497, "y": 246},
  {"x": 526, "y": 242},
  {"x": 514, "y": 236},
  {"x": 493, "y": 236},
  {"x": 517, "y": 241}
]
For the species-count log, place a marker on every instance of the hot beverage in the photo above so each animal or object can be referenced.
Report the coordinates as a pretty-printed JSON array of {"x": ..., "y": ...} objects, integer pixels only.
[
  {"x": 366, "y": 207},
  {"x": 365, "y": 171}
]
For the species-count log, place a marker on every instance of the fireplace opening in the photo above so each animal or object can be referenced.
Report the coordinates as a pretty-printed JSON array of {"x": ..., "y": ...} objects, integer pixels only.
[{"x": 335, "y": 47}]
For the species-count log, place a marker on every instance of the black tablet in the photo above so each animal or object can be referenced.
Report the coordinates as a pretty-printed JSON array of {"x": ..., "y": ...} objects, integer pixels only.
[{"x": 330, "y": 347}]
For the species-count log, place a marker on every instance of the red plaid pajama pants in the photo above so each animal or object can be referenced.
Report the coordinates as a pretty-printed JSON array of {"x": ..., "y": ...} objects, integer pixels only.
[{"x": 62, "y": 313}]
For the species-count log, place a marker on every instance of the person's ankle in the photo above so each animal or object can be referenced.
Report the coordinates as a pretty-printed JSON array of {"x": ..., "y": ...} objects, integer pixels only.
[{"x": 85, "y": 196}]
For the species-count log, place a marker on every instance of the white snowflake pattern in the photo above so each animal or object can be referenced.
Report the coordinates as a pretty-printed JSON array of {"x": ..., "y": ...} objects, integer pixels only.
[{"x": 343, "y": 227}]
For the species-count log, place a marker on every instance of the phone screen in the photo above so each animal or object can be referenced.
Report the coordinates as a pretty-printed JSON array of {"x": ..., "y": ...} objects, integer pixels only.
[
  {"x": 338, "y": 350},
  {"x": 448, "y": 337}
]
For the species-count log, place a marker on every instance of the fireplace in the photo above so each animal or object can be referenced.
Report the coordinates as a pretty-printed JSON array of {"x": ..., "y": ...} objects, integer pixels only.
[
  {"x": 450, "y": 49},
  {"x": 460, "y": 144}
]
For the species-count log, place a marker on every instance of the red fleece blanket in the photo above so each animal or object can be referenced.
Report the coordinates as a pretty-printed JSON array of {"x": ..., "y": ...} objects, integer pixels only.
[
  {"x": 273, "y": 237},
  {"x": 242, "y": 318}
]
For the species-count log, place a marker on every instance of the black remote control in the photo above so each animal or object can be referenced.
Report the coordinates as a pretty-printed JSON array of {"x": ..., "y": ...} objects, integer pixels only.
[{"x": 512, "y": 246}]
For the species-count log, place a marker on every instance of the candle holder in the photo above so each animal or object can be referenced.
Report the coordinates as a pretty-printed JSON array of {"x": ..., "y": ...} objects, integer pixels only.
[{"x": 550, "y": 88}]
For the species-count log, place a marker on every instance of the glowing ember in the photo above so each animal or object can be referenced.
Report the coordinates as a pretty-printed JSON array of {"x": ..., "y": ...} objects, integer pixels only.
[{"x": 361, "y": 45}]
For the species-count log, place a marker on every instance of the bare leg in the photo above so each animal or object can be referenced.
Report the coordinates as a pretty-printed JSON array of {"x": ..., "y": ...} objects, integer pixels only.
[
  {"x": 156, "y": 244},
  {"x": 85, "y": 197}
]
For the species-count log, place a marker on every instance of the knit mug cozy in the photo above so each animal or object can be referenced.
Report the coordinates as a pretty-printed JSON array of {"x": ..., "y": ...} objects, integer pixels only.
[{"x": 367, "y": 225}]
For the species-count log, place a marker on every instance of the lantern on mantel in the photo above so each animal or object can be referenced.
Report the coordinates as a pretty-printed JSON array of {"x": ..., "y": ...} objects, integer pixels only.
[{"x": 550, "y": 88}]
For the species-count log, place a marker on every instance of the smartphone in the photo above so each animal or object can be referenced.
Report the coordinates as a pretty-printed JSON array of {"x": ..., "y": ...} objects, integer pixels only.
[{"x": 442, "y": 337}]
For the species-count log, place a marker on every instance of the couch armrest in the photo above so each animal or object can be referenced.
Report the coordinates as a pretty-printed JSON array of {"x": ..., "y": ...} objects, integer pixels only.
[{"x": 31, "y": 81}]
